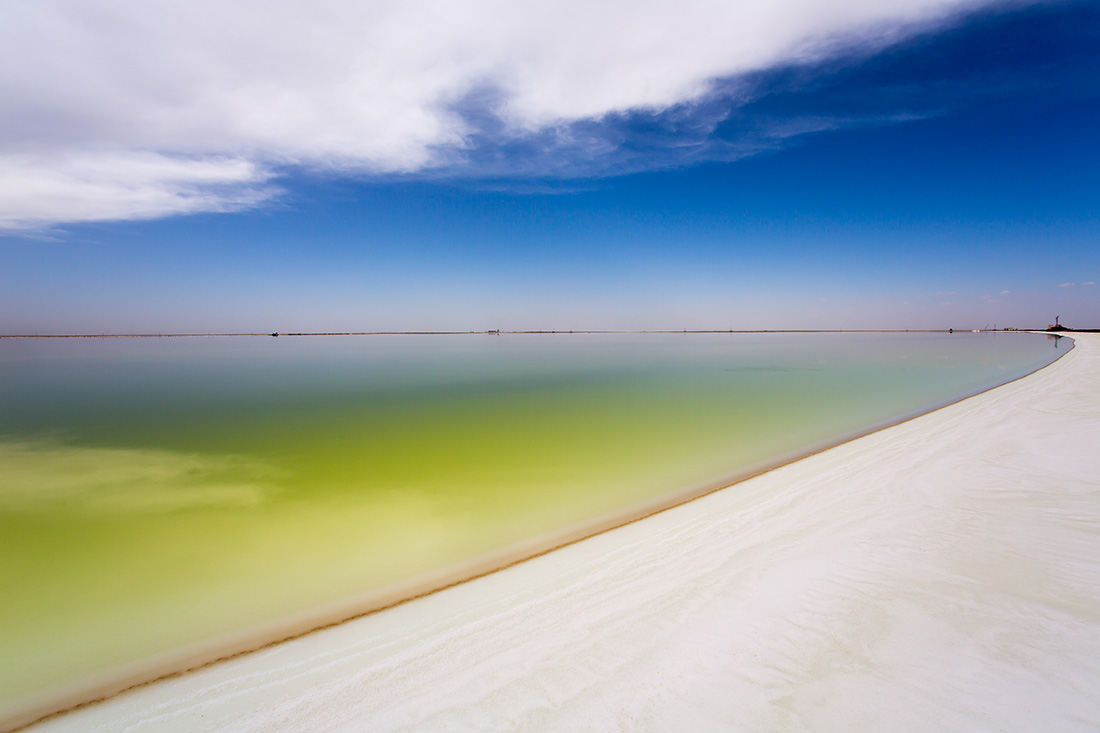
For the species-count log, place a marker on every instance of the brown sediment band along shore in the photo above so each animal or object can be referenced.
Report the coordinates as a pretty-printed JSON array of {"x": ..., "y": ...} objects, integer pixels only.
[{"x": 894, "y": 567}]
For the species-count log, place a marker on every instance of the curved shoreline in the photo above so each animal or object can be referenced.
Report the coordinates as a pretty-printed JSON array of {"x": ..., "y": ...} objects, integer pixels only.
[{"x": 301, "y": 625}]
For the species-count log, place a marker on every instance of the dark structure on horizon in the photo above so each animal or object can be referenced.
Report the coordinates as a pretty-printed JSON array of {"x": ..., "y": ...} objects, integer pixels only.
[{"x": 1058, "y": 327}]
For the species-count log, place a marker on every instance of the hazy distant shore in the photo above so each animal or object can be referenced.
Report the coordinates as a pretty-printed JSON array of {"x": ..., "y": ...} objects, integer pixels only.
[
  {"x": 494, "y": 332},
  {"x": 902, "y": 566}
]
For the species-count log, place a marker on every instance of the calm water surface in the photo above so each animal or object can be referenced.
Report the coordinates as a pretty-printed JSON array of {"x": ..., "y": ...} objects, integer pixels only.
[{"x": 156, "y": 492}]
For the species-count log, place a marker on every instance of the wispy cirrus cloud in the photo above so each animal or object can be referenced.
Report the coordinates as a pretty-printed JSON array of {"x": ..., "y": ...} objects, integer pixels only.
[{"x": 127, "y": 109}]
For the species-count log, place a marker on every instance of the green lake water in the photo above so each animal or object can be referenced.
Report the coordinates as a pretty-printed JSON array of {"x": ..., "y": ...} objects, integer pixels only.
[{"x": 159, "y": 492}]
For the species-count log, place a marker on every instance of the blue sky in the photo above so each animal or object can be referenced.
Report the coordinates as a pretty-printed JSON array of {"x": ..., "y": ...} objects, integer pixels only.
[{"x": 442, "y": 166}]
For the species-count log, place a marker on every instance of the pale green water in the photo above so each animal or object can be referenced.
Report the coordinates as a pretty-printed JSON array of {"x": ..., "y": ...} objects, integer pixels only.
[{"x": 155, "y": 492}]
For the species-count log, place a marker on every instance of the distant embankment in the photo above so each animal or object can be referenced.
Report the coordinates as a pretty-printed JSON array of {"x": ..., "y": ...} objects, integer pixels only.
[{"x": 494, "y": 332}]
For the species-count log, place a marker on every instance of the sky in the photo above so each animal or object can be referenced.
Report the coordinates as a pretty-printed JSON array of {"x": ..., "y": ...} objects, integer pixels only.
[{"x": 337, "y": 165}]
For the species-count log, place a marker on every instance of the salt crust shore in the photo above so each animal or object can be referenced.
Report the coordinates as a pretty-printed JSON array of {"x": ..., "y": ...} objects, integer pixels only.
[{"x": 939, "y": 574}]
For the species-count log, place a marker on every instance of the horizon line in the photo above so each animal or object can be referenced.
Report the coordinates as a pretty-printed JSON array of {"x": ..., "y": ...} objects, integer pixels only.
[{"x": 503, "y": 332}]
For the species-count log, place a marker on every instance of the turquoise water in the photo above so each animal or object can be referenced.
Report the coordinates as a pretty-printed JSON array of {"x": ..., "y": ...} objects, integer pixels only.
[{"x": 158, "y": 492}]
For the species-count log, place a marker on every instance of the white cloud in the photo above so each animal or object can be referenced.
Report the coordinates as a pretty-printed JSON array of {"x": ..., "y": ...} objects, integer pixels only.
[
  {"x": 1066, "y": 285},
  {"x": 198, "y": 99},
  {"x": 37, "y": 190}
]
